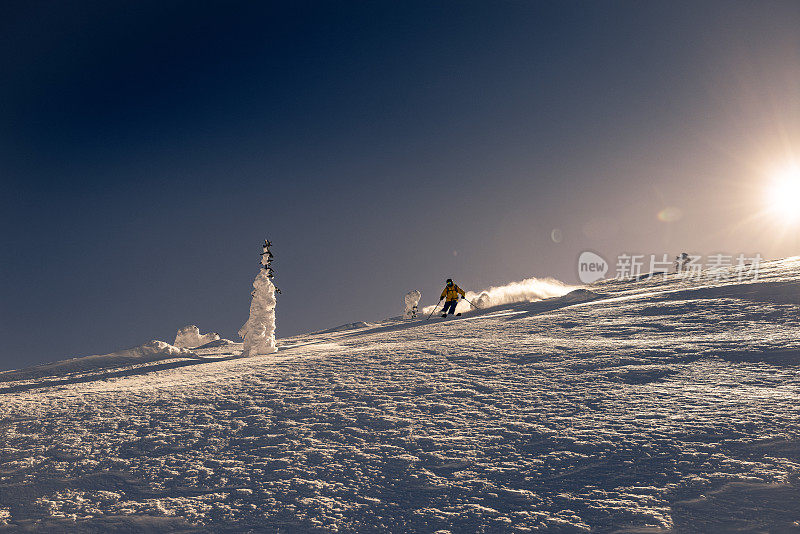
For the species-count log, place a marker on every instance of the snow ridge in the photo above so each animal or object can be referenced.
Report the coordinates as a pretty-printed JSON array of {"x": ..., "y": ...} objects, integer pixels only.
[{"x": 149, "y": 352}]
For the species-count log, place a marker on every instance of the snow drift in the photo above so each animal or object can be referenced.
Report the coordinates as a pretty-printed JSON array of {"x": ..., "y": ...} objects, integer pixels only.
[
  {"x": 344, "y": 327},
  {"x": 189, "y": 337},
  {"x": 216, "y": 343},
  {"x": 528, "y": 290},
  {"x": 149, "y": 352}
]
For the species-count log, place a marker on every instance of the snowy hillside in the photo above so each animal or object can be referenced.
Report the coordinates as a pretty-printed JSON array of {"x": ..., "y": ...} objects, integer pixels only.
[{"x": 651, "y": 406}]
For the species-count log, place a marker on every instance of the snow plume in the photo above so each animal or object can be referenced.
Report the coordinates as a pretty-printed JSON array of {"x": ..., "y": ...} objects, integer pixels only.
[
  {"x": 259, "y": 330},
  {"x": 528, "y": 290}
]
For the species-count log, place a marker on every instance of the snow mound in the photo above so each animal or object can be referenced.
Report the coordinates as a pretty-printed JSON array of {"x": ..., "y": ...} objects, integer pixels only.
[
  {"x": 149, "y": 352},
  {"x": 216, "y": 343},
  {"x": 189, "y": 337},
  {"x": 581, "y": 295}
]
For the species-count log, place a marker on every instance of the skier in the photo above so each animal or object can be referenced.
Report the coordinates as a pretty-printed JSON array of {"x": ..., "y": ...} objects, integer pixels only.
[
  {"x": 682, "y": 261},
  {"x": 451, "y": 291}
]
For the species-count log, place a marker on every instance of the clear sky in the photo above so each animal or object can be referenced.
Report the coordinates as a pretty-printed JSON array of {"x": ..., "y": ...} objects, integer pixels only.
[{"x": 147, "y": 148}]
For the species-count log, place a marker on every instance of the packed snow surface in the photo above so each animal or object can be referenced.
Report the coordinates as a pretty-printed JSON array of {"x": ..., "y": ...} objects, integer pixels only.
[{"x": 665, "y": 405}]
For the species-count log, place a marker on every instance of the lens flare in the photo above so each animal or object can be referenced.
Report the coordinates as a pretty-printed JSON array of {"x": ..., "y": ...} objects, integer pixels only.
[
  {"x": 670, "y": 214},
  {"x": 783, "y": 196}
]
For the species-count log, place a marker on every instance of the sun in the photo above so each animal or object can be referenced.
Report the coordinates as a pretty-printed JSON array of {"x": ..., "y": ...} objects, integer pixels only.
[{"x": 783, "y": 196}]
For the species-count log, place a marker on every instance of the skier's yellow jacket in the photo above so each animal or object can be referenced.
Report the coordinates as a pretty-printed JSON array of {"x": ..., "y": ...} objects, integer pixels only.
[{"x": 451, "y": 292}]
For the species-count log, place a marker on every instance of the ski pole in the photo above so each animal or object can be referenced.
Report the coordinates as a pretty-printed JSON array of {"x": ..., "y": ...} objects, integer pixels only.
[
  {"x": 434, "y": 309},
  {"x": 471, "y": 304}
]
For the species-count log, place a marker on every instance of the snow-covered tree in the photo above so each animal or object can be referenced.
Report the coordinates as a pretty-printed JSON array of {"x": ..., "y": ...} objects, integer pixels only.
[
  {"x": 411, "y": 301},
  {"x": 189, "y": 337},
  {"x": 259, "y": 330}
]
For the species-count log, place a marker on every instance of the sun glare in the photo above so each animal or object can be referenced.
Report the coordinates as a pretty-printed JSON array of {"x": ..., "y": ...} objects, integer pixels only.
[{"x": 784, "y": 196}]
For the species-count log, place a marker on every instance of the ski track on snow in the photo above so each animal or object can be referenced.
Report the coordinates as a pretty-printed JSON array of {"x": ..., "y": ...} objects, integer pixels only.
[{"x": 669, "y": 405}]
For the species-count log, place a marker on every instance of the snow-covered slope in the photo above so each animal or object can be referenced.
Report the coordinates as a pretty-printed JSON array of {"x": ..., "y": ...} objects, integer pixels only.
[{"x": 651, "y": 406}]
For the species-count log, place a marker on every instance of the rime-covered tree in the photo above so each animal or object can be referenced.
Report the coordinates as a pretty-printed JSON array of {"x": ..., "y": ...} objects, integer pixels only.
[
  {"x": 411, "y": 301},
  {"x": 259, "y": 330}
]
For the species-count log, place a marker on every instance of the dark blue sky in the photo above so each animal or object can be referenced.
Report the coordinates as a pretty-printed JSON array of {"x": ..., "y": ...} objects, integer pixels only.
[{"x": 146, "y": 148}]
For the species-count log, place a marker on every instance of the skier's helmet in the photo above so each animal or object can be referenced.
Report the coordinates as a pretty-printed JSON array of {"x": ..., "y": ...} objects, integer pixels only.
[{"x": 449, "y": 281}]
